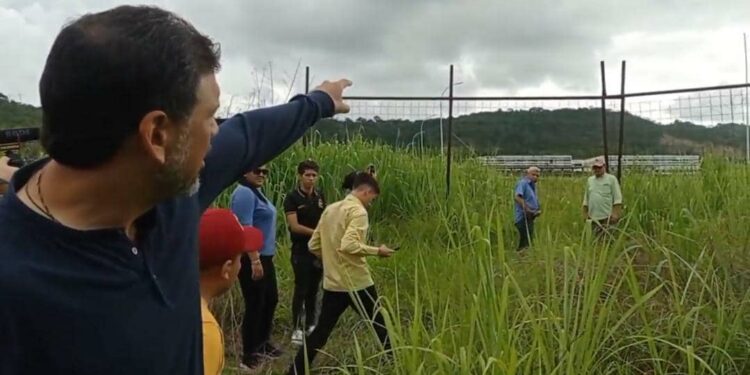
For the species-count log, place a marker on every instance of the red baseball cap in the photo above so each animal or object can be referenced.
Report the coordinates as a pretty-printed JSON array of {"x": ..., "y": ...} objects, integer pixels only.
[{"x": 222, "y": 237}]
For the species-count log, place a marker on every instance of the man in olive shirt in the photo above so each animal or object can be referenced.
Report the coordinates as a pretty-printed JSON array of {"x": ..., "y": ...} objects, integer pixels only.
[
  {"x": 602, "y": 199},
  {"x": 339, "y": 240}
]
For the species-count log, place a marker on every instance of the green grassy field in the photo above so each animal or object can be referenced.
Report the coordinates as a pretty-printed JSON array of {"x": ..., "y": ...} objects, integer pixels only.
[{"x": 669, "y": 296}]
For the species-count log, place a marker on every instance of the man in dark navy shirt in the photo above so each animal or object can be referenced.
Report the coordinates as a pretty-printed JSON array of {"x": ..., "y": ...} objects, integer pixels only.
[{"x": 98, "y": 249}]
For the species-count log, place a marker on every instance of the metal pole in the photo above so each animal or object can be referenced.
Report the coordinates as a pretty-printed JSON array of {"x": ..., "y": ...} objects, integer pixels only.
[
  {"x": 731, "y": 106},
  {"x": 307, "y": 90},
  {"x": 622, "y": 124},
  {"x": 604, "y": 118},
  {"x": 747, "y": 125},
  {"x": 442, "y": 149},
  {"x": 307, "y": 79},
  {"x": 450, "y": 136}
]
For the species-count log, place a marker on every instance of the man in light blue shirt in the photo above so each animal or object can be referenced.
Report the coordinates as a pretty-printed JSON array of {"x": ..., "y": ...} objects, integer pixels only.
[{"x": 527, "y": 206}]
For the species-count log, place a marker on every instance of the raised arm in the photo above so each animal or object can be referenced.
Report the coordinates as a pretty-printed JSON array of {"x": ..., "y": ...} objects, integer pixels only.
[{"x": 253, "y": 138}]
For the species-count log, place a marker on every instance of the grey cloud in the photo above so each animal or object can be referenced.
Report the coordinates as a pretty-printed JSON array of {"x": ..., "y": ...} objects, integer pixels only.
[{"x": 404, "y": 47}]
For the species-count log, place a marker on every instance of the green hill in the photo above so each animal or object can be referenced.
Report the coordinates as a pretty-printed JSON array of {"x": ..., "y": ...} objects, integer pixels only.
[
  {"x": 18, "y": 115},
  {"x": 576, "y": 132}
]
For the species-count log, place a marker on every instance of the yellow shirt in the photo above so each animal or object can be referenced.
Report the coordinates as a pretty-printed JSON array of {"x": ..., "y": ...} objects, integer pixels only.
[
  {"x": 339, "y": 240},
  {"x": 213, "y": 342}
]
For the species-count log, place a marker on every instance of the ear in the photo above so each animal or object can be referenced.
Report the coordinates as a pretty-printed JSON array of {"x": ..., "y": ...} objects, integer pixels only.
[
  {"x": 153, "y": 133},
  {"x": 226, "y": 269}
]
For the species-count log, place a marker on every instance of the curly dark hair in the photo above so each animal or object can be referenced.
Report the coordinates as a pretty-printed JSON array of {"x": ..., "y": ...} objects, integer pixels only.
[{"x": 308, "y": 165}]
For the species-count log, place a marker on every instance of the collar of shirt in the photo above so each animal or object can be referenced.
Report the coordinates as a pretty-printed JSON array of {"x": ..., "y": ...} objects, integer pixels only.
[
  {"x": 352, "y": 198},
  {"x": 528, "y": 181},
  {"x": 304, "y": 194}
]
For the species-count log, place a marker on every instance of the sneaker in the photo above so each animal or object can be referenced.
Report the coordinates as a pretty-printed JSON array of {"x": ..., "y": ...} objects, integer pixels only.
[
  {"x": 271, "y": 351},
  {"x": 297, "y": 337},
  {"x": 310, "y": 330}
]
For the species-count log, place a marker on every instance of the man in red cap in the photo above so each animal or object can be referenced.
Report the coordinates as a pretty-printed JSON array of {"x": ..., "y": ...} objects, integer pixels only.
[{"x": 223, "y": 241}]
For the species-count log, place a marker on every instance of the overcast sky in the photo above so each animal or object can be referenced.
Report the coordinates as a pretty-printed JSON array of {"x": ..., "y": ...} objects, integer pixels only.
[{"x": 530, "y": 47}]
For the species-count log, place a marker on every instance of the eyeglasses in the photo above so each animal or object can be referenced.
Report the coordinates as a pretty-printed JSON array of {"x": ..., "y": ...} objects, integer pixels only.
[{"x": 261, "y": 172}]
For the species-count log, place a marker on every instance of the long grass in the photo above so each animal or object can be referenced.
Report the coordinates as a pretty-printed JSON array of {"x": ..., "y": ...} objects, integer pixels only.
[{"x": 668, "y": 295}]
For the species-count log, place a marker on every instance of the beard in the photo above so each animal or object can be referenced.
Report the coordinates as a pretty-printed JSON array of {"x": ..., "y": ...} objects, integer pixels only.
[{"x": 174, "y": 178}]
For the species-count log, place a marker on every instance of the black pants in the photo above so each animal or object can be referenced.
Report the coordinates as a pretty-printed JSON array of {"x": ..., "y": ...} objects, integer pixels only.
[
  {"x": 261, "y": 298},
  {"x": 525, "y": 233},
  {"x": 334, "y": 304},
  {"x": 307, "y": 275}
]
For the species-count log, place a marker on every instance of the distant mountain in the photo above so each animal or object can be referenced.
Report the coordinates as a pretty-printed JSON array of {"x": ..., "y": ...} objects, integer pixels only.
[
  {"x": 537, "y": 131},
  {"x": 18, "y": 115},
  {"x": 576, "y": 132}
]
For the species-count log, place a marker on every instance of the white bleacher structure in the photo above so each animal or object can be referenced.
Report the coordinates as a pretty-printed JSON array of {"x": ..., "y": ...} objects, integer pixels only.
[
  {"x": 521, "y": 162},
  {"x": 566, "y": 163},
  {"x": 655, "y": 163}
]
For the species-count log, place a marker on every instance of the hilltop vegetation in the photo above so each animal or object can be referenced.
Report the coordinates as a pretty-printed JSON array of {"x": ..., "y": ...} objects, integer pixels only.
[
  {"x": 574, "y": 132},
  {"x": 18, "y": 115}
]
